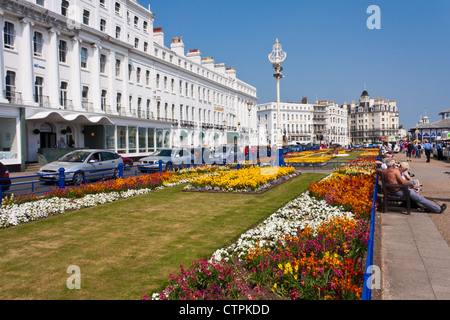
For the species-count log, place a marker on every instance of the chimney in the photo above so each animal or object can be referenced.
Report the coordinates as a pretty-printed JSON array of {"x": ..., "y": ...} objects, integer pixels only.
[
  {"x": 195, "y": 56},
  {"x": 304, "y": 100},
  {"x": 177, "y": 46},
  {"x": 231, "y": 73},
  {"x": 220, "y": 68},
  {"x": 208, "y": 62},
  {"x": 158, "y": 36}
]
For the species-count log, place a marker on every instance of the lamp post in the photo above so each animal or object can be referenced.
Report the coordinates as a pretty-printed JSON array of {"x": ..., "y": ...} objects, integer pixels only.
[
  {"x": 249, "y": 107},
  {"x": 276, "y": 57}
]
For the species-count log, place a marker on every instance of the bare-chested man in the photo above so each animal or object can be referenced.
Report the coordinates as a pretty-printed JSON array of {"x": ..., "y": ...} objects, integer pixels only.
[{"x": 393, "y": 176}]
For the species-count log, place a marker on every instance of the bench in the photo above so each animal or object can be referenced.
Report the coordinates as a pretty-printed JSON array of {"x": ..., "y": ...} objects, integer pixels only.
[{"x": 394, "y": 202}]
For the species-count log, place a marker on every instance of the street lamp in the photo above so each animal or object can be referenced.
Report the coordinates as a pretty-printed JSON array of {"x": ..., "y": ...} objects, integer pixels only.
[
  {"x": 249, "y": 107},
  {"x": 276, "y": 57}
]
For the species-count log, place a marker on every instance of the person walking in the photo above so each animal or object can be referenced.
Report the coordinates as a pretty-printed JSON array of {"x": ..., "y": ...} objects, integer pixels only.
[
  {"x": 409, "y": 149},
  {"x": 439, "y": 151},
  {"x": 419, "y": 150},
  {"x": 428, "y": 148}
]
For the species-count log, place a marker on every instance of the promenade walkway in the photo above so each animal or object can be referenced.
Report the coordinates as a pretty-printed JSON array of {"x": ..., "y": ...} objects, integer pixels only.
[{"x": 414, "y": 250}]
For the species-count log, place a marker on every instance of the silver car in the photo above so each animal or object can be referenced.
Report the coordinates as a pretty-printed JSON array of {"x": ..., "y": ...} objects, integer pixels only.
[
  {"x": 82, "y": 165},
  {"x": 171, "y": 159}
]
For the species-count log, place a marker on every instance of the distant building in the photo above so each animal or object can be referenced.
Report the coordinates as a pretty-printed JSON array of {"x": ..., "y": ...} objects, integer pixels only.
[
  {"x": 372, "y": 120},
  {"x": 302, "y": 123},
  {"x": 431, "y": 131},
  {"x": 296, "y": 122}
]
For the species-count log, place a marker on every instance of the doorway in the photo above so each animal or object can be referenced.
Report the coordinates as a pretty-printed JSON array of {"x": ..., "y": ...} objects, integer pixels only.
[{"x": 48, "y": 140}]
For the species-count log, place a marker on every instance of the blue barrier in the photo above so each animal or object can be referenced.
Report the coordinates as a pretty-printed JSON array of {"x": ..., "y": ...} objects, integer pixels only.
[
  {"x": 367, "y": 291},
  {"x": 21, "y": 188}
]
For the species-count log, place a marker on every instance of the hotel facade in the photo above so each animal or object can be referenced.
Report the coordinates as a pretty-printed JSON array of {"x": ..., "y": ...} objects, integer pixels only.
[
  {"x": 372, "y": 120},
  {"x": 322, "y": 122},
  {"x": 96, "y": 74}
]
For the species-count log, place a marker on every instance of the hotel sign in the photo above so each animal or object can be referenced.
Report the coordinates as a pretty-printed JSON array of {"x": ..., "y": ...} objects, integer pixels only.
[{"x": 218, "y": 108}]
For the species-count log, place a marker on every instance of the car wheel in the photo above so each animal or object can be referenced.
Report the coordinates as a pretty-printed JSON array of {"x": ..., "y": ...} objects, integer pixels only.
[
  {"x": 127, "y": 165},
  {"x": 78, "y": 178},
  {"x": 169, "y": 167},
  {"x": 116, "y": 173}
]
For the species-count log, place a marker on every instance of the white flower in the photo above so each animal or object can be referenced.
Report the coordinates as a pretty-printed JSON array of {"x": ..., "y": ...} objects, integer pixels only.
[{"x": 286, "y": 221}]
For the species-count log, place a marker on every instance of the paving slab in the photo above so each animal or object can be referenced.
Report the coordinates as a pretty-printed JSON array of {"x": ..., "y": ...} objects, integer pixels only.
[{"x": 415, "y": 257}]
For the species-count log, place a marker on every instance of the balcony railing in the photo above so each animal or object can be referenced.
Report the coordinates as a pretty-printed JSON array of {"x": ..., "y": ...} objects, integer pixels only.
[
  {"x": 106, "y": 108},
  {"x": 42, "y": 101},
  {"x": 66, "y": 104},
  {"x": 122, "y": 111},
  {"x": 88, "y": 106},
  {"x": 13, "y": 97},
  {"x": 187, "y": 124}
]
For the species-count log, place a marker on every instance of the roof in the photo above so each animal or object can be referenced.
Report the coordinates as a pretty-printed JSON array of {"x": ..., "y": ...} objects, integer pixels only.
[
  {"x": 365, "y": 94},
  {"x": 445, "y": 111},
  {"x": 435, "y": 125}
]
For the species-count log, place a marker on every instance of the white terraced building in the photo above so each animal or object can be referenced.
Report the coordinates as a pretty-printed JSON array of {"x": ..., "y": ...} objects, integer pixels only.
[
  {"x": 96, "y": 74},
  {"x": 302, "y": 123}
]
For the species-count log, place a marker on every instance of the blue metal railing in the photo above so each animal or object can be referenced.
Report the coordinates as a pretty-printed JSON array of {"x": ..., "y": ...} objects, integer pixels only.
[{"x": 367, "y": 290}]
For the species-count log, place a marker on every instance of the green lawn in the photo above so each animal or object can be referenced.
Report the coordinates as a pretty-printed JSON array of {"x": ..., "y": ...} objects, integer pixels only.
[{"x": 128, "y": 248}]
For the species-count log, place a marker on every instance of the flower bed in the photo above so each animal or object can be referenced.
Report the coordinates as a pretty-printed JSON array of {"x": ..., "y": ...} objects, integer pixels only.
[
  {"x": 246, "y": 180},
  {"x": 318, "y": 157},
  {"x": 312, "y": 248},
  {"x": 306, "y": 250},
  {"x": 354, "y": 191}
]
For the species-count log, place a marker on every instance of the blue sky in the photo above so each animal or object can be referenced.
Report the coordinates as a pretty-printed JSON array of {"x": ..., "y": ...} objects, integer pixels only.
[{"x": 330, "y": 51}]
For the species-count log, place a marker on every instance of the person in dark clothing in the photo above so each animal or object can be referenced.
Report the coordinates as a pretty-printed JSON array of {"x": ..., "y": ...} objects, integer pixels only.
[
  {"x": 409, "y": 150},
  {"x": 439, "y": 151},
  {"x": 5, "y": 182},
  {"x": 428, "y": 149}
]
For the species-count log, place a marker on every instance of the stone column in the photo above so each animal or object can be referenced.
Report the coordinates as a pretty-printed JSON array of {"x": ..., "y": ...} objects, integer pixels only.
[
  {"x": 75, "y": 83},
  {"x": 2, "y": 65},
  {"x": 27, "y": 73},
  {"x": 125, "y": 98},
  {"x": 53, "y": 60},
  {"x": 112, "y": 81},
  {"x": 95, "y": 72}
]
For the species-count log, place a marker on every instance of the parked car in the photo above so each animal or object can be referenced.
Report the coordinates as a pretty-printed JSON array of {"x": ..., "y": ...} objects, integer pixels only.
[
  {"x": 171, "y": 158},
  {"x": 81, "y": 165},
  {"x": 5, "y": 181},
  {"x": 127, "y": 162}
]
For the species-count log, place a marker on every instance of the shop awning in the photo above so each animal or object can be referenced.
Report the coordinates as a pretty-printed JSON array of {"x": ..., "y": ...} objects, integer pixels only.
[
  {"x": 232, "y": 135},
  {"x": 183, "y": 133},
  {"x": 67, "y": 116}
]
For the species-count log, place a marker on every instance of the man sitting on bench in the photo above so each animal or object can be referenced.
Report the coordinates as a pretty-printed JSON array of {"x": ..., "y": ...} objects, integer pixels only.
[{"x": 392, "y": 175}]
